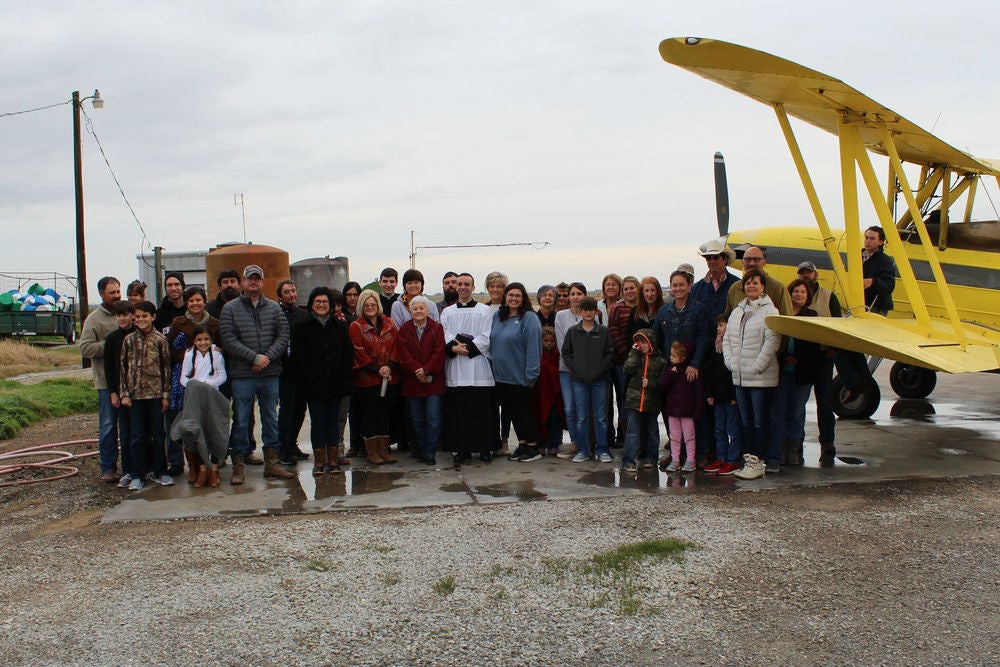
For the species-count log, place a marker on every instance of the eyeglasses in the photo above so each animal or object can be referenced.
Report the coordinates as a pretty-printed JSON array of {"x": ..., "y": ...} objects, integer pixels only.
[{"x": 752, "y": 259}]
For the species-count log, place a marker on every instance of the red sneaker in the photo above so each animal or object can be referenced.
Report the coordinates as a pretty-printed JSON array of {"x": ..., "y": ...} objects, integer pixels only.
[
  {"x": 727, "y": 469},
  {"x": 713, "y": 466}
]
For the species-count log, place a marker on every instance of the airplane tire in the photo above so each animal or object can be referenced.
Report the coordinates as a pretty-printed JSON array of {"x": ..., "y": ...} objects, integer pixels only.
[
  {"x": 911, "y": 381},
  {"x": 862, "y": 407}
]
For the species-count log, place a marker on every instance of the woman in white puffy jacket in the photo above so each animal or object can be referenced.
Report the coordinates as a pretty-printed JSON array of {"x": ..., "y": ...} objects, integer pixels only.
[{"x": 750, "y": 352}]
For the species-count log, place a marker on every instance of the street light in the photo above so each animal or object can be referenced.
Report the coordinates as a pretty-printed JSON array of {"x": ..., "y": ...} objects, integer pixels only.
[{"x": 81, "y": 252}]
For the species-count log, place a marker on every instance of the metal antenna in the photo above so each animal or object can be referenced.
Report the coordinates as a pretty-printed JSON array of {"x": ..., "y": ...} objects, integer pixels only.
[
  {"x": 538, "y": 245},
  {"x": 239, "y": 202}
]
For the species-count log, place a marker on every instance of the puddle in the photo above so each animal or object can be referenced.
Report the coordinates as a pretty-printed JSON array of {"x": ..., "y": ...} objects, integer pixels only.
[
  {"x": 522, "y": 490},
  {"x": 456, "y": 487},
  {"x": 653, "y": 481},
  {"x": 851, "y": 460},
  {"x": 952, "y": 451}
]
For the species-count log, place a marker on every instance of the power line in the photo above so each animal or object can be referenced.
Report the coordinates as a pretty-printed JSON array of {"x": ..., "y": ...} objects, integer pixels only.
[
  {"x": 145, "y": 237},
  {"x": 50, "y": 106}
]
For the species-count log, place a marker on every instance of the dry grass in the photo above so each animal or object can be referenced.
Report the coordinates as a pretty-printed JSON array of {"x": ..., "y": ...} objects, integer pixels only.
[{"x": 18, "y": 357}]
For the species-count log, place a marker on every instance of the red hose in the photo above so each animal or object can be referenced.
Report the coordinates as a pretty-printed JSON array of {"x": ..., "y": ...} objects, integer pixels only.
[{"x": 55, "y": 464}]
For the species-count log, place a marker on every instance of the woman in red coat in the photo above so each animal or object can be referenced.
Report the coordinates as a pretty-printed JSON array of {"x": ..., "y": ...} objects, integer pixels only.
[
  {"x": 376, "y": 374},
  {"x": 421, "y": 358}
]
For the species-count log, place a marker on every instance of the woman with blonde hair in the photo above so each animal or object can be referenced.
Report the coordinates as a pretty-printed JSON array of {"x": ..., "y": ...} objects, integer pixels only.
[{"x": 376, "y": 374}]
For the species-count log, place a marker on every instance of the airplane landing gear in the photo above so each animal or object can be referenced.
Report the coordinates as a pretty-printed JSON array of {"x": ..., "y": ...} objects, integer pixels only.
[
  {"x": 861, "y": 406},
  {"x": 911, "y": 381}
]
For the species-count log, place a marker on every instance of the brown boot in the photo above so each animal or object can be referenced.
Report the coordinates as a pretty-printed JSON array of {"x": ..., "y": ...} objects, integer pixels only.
[
  {"x": 383, "y": 449},
  {"x": 271, "y": 467},
  {"x": 332, "y": 461},
  {"x": 192, "y": 460},
  {"x": 237, "y": 477},
  {"x": 202, "y": 478},
  {"x": 319, "y": 461},
  {"x": 372, "y": 447},
  {"x": 213, "y": 475}
]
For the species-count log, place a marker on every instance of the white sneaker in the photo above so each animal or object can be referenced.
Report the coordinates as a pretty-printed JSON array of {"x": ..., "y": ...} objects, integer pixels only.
[
  {"x": 164, "y": 480},
  {"x": 125, "y": 480},
  {"x": 753, "y": 468},
  {"x": 581, "y": 458},
  {"x": 688, "y": 466},
  {"x": 606, "y": 458},
  {"x": 672, "y": 467},
  {"x": 566, "y": 452},
  {"x": 136, "y": 484}
]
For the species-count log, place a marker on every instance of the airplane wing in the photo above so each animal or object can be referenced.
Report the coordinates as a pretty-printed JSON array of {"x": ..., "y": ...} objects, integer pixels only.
[
  {"x": 816, "y": 98},
  {"x": 901, "y": 340}
]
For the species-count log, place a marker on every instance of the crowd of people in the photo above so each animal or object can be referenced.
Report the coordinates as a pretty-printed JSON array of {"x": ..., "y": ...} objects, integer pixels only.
[{"x": 178, "y": 381}]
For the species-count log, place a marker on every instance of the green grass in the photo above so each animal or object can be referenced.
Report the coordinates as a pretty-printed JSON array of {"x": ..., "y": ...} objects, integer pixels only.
[
  {"x": 498, "y": 571},
  {"x": 390, "y": 579},
  {"x": 628, "y": 556},
  {"x": 22, "y": 405},
  {"x": 445, "y": 585},
  {"x": 319, "y": 566}
]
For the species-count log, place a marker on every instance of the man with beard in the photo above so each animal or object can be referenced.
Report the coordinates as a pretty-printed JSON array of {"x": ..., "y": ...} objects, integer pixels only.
[
  {"x": 173, "y": 303},
  {"x": 291, "y": 405},
  {"x": 96, "y": 328},
  {"x": 228, "y": 282},
  {"x": 448, "y": 284}
]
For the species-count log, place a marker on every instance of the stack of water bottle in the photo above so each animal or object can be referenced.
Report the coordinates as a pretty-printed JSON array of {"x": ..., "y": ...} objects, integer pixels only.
[{"x": 35, "y": 298}]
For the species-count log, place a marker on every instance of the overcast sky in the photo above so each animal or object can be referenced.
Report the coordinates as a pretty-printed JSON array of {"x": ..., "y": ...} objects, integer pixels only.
[{"x": 348, "y": 124}]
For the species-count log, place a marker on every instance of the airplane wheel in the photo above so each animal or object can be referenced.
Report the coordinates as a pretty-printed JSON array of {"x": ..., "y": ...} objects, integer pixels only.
[
  {"x": 862, "y": 407},
  {"x": 911, "y": 381}
]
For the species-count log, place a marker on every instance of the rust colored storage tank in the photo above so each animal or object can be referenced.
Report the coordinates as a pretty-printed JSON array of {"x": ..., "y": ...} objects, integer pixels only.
[
  {"x": 319, "y": 271},
  {"x": 273, "y": 261}
]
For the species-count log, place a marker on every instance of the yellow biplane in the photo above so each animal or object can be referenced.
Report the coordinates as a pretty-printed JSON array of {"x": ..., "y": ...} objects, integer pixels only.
[{"x": 947, "y": 315}]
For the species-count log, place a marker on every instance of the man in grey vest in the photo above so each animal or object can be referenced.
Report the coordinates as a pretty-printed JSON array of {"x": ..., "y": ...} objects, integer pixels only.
[{"x": 826, "y": 304}]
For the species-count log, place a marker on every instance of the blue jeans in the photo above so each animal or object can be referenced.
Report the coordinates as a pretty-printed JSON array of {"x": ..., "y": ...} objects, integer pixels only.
[
  {"x": 590, "y": 402},
  {"x": 728, "y": 433},
  {"x": 425, "y": 413},
  {"x": 788, "y": 412},
  {"x": 147, "y": 453},
  {"x": 107, "y": 431},
  {"x": 635, "y": 423},
  {"x": 755, "y": 408},
  {"x": 566, "y": 387},
  {"x": 245, "y": 391},
  {"x": 175, "y": 449},
  {"x": 324, "y": 422}
]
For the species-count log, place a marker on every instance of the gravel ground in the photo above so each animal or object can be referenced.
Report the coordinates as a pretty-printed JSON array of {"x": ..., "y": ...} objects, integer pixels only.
[{"x": 900, "y": 573}]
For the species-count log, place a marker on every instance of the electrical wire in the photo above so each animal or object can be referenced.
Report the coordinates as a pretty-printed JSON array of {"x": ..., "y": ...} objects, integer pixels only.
[
  {"x": 145, "y": 237},
  {"x": 50, "y": 106}
]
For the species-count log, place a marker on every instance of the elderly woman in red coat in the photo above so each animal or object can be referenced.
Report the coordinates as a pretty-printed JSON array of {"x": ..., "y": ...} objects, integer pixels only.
[{"x": 421, "y": 358}]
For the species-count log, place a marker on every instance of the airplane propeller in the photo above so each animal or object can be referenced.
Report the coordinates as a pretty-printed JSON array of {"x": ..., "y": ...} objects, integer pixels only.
[{"x": 721, "y": 195}]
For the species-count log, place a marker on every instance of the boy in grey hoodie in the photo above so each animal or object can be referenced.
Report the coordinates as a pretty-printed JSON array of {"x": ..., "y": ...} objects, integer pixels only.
[{"x": 588, "y": 353}]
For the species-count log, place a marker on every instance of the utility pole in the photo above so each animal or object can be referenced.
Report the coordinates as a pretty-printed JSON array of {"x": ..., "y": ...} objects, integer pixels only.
[{"x": 81, "y": 239}]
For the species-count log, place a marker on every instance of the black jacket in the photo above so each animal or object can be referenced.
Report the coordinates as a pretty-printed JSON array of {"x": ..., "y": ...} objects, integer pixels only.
[
  {"x": 165, "y": 314},
  {"x": 881, "y": 268},
  {"x": 295, "y": 316},
  {"x": 322, "y": 355}
]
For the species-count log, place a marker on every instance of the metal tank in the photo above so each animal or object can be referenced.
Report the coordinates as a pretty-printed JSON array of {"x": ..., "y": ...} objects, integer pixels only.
[
  {"x": 273, "y": 261},
  {"x": 308, "y": 274}
]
